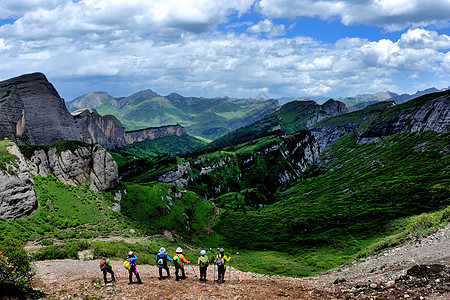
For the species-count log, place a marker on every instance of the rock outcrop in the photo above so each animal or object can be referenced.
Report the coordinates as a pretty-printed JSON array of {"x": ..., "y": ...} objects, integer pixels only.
[
  {"x": 32, "y": 112},
  {"x": 418, "y": 115},
  {"x": 17, "y": 196},
  {"x": 104, "y": 130},
  {"x": 152, "y": 133},
  {"x": 283, "y": 160},
  {"x": 331, "y": 129},
  {"x": 90, "y": 164},
  {"x": 86, "y": 164}
]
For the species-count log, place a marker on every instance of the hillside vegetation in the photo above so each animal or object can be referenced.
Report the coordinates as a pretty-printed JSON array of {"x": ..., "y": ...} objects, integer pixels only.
[
  {"x": 367, "y": 192},
  {"x": 288, "y": 119},
  {"x": 286, "y": 208}
]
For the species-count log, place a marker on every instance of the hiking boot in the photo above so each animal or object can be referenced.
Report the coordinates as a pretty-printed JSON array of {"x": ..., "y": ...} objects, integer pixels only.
[
  {"x": 177, "y": 279},
  {"x": 140, "y": 282},
  {"x": 160, "y": 278}
]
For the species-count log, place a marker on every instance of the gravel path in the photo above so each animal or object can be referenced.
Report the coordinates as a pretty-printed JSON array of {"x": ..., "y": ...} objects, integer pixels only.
[{"x": 383, "y": 277}]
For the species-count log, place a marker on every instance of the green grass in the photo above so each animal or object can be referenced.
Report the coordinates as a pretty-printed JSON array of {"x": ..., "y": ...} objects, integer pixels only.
[
  {"x": 6, "y": 158},
  {"x": 65, "y": 212},
  {"x": 366, "y": 188},
  {"x": 156, "y": 206}
]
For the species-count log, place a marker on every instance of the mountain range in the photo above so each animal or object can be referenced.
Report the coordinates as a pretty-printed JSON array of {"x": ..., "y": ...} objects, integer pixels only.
[
  {"x": 304, "y": 188},
  {"x": 209, "y": 118},
  {"x": 32, "y": 112},
  {"x": 362, "y": 100}
]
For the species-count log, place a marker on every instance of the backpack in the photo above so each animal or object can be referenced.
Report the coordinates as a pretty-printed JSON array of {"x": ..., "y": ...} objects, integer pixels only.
[
  {"x": 160, "y": 262},
  {"x": 176, "y": 261},
  {"x": 220, "y": 262},
  {"x": 102, "y": 264},
  {"x": 203, "y": 261},
  {"x": 127, "y": 264}
]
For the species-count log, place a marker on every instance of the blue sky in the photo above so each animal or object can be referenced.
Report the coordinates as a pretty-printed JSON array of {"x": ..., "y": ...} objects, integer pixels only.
[{"x": 240, "y": 48}]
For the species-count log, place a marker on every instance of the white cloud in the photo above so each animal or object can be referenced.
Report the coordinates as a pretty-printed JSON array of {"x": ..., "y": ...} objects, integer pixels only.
[
  {"x": 110, "y": 18},
  {"x": 268, "y": 27},
  {"x": 392, "y": 15},
  {"x": 174, "y": 46},
  {"x": 421, "y": 39}
]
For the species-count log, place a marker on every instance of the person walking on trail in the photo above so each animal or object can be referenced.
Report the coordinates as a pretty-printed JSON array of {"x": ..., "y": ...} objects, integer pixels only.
[
  {"x": 161, "y": 262},
  {"x": 131, "y": 258},
  {"x": 221, "y": 262},
  {"x": 203, "y": 264},
  {"x": 106, "y": 267},
  {"x": 178, "y": 259}
]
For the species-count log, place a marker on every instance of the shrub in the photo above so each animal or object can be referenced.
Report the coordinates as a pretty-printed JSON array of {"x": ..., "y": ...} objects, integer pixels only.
[{"x": 15, "y": 269}]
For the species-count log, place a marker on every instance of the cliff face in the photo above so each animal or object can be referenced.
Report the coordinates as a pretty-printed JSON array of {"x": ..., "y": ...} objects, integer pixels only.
[
  {"x": 77, "y": 167},
  {"x": 84, "y": 164},
  {"x": 152, "y": 133},
  {"x": 17, "y": 196},
  {"x": 331, "y": 129},
  {"x": 418, "y": 115},
  {"x": 371, "y": 124},
  {"x": 278, "y": 162},
  {"x": 104, "y": 130},
  {"x": 31, "y": 112}
]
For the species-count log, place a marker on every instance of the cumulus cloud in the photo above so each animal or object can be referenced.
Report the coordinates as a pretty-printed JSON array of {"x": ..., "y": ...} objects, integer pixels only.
[
  {"x": 175, "y": 46},
  {"x": 268, "y": 27},
  {"x": 392, "y": 15},
  {"x": 110, "y": 18}
]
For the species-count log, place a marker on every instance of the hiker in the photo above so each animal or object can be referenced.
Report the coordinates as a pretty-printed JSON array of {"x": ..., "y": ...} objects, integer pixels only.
[
  {"x": 161, "y": 262},
  {"x": 221, "y": 262},
  {"x": 131, "y": 258},
  {"x": 106, "y": 267},
  {"x": 178, "y": 259},
  {"x": 203, "y": 265}
]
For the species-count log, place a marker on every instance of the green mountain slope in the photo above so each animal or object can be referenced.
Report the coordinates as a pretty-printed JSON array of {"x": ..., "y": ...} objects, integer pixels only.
[
  {"x": 207, "y": 118},
  {"x": 365, "y": 189},
  {"x": 289, "y": 118},
  {"x": 175, "y": 145}
]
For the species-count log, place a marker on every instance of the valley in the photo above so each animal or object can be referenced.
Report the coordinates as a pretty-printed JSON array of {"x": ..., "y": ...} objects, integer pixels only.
[{"x": 301, "y": 194}]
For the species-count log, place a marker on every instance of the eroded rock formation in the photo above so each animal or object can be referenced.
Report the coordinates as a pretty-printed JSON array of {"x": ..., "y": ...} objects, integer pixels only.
[
  {"x": 89, "y": 164},
  {"x": 17, "y": 196},
  {"x": 32, "y": 112}
]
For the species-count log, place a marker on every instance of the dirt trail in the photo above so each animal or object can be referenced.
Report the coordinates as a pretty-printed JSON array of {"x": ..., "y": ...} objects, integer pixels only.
[{"x": 383, "y": 277}]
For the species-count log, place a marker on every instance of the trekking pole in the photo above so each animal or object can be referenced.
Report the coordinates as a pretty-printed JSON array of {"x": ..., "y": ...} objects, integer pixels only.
[{"x": 214, "y": 276}]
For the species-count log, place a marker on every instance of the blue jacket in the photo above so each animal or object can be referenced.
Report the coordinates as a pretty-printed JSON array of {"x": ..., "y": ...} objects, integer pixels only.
[
  {"x": 132, "y": 259},
  {"x": 163, "y": 256}
]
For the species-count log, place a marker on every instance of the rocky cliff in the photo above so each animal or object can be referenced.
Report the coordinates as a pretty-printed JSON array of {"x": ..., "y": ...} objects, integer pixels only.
[
  {"x": 104, "y": 130},
  {"x": 430, "y": 112},
  {"x": 371, "y": 124},
  {"x": 75, "y": 165},
  {"x": 17, "y": 196},
  {"x": 278, "y": 161},
  {"x": 152, "y": 133},
  {"x": 330, "y": 129},
  {"x": 32, "y": 112}
]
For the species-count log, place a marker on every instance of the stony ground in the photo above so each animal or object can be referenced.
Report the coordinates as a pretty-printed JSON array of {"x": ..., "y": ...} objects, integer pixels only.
[{"x": 419, "y": 270}]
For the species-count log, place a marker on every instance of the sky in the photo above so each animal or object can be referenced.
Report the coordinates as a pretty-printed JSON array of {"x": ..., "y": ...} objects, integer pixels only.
[{"x": 234, "y": 48}]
